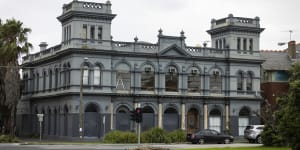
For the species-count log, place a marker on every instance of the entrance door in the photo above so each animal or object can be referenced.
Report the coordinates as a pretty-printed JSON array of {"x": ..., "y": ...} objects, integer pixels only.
[
  {"x": 192, "y": 120},
  {"x": 91, "y": 121}
]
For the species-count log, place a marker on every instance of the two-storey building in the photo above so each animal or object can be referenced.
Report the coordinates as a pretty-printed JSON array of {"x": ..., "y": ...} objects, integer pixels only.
[{"x": 178, "y": 86}]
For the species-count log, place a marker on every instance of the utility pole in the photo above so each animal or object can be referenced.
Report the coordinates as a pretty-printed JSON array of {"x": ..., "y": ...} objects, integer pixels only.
[{"x": 81, "y": 101}]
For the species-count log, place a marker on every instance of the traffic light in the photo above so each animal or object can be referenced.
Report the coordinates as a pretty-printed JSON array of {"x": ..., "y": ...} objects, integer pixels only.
[
  {"x": 133, "y": 115},
  {"x": 136, "y": 115},
  {"x": 139, "y": 115}
]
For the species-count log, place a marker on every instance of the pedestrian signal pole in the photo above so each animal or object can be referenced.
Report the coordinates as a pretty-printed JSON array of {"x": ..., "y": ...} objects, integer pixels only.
[{"x": 139, "y": 119}]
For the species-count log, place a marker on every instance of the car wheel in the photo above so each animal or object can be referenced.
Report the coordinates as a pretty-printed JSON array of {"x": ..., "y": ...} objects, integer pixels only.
[
  {"x": 201, "y": 141},
  {"x": 258, "y": 140},
  {"x": 226, "y": 141}
]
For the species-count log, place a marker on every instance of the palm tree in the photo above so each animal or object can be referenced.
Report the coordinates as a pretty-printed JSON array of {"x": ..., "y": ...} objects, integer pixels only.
[{"x": 13, "y": 43}]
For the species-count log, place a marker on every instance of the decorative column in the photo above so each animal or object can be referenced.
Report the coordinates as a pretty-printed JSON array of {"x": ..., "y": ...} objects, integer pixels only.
[
  {"x": 227, "y": 115},
  {"x": 183, "y": 116},
  {"x": 205, "y": 116},
  {"x": 111, "y": 116},
  {"x": 160, "y": 115}
]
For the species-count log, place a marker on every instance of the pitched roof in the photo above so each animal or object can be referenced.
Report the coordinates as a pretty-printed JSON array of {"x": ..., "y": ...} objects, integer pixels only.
[{"x": 275, "y": 60}]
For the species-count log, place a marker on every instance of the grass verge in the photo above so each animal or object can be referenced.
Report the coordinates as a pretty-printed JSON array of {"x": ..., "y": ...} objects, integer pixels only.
[{"x": 243, "y": 148}]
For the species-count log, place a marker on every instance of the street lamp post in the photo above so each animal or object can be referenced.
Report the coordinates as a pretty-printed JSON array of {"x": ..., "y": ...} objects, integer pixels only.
[{"x": 81, "y": 101}]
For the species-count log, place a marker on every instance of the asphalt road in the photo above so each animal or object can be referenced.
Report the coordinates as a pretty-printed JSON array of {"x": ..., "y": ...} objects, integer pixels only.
[{"x": 116, "y": 146}]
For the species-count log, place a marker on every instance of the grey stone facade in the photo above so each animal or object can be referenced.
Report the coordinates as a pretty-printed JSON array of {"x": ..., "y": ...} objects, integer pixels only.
[{"x": 178, "y": 86}]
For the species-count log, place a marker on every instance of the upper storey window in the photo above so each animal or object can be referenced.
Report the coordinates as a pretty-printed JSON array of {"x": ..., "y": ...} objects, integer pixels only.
[
  {"x": 240, "y": 81},
  {"x": 92, "y": 32},
  {"x": 123, "y": 78},
  {"x": 97, "y": 75},
  {"x": 85, "y": 77},
  {"x": 171, "y": 79},
  {"x": 99, "y": 33},
  {"x": 249, "y": 81},
  {"x": 238, "y": 46},
  {"x": 194, "y": 80},
  {"x": 147, "y": 78},
  {"x": 215, "y": 82},
  {"x": 244, "y": 44},
  {"x": 84, "y": 31},
  {"x": 250, "y": 45}
]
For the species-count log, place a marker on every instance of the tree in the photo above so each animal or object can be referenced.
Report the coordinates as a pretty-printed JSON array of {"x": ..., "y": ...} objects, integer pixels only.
[
  {"x": 288, "y": 115},
  {"x": 13, "y": 43}
]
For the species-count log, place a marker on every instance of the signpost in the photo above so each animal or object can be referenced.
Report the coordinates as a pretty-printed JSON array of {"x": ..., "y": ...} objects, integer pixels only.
[{"x": 40, "y": 119}]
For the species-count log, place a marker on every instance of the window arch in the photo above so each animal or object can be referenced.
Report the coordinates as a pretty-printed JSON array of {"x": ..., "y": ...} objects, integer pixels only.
[
  {"x": 249, "y": 81},
  {"x": 170, "y": 119},
  {"x": 97, "y": 75},
  {"x": 215, "y": 82},
  {"x": 123, "y": 77},
  {"x": 85, "y": 75},
  {"x": 194, "y": 80},
  {"x": 49, "y": 121},
  {"x": 244, "y": 115},
  {"x": 171, "y": 79},
  {"x": 37, "y": 82},
  {"x": 50, "y": 79},
  {"x": 147, "y": 78},
  {"x": 215, "y": 120},
  {"x": 68, "y": 74},
  {"x": 123, "y": 117},
  {"x": 240, "y": 81},
  {"x": 64, "y": 75},
  {"x": 44, "y": 80},
  {"x": 56, "y": 78}
]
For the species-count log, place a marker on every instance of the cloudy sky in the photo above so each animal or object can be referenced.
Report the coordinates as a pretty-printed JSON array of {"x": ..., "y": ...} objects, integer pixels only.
[{"x": 143, "y": 18}]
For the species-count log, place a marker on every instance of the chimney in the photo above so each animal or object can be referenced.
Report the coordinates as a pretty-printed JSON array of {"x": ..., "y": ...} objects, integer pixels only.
[
  {"x": 43, "y": 46},
  {"x": 292, "y": 49}
]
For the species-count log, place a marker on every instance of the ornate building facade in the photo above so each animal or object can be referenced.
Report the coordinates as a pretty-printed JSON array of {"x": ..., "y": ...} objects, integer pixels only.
[{"x": 178, "y": 86}]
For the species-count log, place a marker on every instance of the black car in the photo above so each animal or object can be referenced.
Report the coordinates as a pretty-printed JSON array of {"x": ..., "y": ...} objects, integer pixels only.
[{"x": 209, "y": 136}]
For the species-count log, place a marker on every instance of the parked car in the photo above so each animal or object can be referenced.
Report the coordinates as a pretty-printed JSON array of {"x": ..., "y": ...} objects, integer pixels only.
[
  {"x": 252, "y": 133},
  {"x": 209, "y": 136}
]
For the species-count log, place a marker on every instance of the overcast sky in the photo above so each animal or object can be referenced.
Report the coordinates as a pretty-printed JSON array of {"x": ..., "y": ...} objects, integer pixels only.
[{"x": 143, "y": 18}]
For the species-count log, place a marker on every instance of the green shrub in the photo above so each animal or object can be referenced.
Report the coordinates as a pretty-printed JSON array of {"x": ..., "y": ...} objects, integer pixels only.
[
  {"x": 270, "y": 137},
  {"x": 120, "y": 137},
  {"x": 155, "y": 135},
  {"x": 8, "y": 139},
  {"x": 177, "y": 136}
]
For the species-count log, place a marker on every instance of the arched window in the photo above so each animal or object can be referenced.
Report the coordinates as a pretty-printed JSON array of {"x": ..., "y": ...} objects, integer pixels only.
[
  {"x": 148, "y": 118},
  {"x": 97, "y": 75},
  {"x": 171, "y": 79},
  {"x": 123, "y": 117},
  {"x": 85, "y": 75},
  {"x": 147, "y": 78},
  {"x": 68, "y": 74},
  {"x": 56, "y": 78},
  {"x": 33, "y": 83},
  {"x": 44, "y": 80},
  {"x": 123, "y": 78},
  {"x": 240, "y": 81},
  {"x": 66, "y": 120},
  {"x": 215, "y": 120},
  {"x": 170, "y": 119},
  {"x": 50, "y": 79},
  {"x": 215, "y": 82},
  {"x": 49, "y": 121},
  {"x": 243, "y": 119},
  {"x": 249, "y": 81},
  {"x": 194, "y": 80},
  {"x": 64, "y": 73},
  {"x": 37, "y": 82},
  {"x": 192, "y": 120},
  {"x": 25, "y": 83}
]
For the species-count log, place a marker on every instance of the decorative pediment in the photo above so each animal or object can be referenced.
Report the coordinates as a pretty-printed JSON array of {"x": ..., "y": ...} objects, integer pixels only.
[{"x": 173, "y": 50}]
